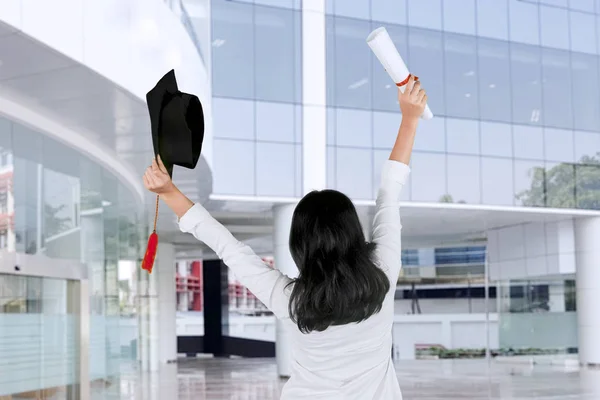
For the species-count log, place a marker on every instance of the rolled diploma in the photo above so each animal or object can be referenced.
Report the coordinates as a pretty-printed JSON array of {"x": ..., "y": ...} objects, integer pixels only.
[{"x": 380, "y": 42}]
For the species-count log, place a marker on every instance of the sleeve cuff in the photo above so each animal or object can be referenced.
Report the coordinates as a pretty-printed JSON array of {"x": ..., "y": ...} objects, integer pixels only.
[
  {"x": 192, "y": 217},
  {"x": 395, "y": 171}
]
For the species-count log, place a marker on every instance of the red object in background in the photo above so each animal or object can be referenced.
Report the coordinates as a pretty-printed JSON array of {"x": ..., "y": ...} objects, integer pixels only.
[{"x": 197, "y": 276}]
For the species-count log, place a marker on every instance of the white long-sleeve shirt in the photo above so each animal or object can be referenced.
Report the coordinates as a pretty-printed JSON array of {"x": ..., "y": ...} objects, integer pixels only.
[{"x": 346, "y": 362}]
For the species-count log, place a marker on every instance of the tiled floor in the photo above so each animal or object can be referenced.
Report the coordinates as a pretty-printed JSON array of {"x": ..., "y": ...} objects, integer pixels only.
[{"x": 237, "y": 379}]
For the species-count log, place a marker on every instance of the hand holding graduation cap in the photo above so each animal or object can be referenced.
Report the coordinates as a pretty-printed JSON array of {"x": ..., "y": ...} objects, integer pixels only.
[{"x": 157, "y": 179}]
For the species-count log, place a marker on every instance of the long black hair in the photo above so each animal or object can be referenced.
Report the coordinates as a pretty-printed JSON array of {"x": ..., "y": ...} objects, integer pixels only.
[{"x": 339, "y": 282}]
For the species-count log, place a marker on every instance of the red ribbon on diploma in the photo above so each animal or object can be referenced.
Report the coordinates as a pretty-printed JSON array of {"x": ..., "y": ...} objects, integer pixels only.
[{"x": 404, "y": 82}]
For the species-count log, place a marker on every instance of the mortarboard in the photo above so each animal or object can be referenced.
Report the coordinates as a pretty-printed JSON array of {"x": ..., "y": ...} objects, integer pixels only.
[{"x": 177, "y": 123}]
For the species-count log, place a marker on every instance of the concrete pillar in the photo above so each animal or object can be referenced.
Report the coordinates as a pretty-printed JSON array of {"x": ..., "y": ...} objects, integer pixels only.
[
  {"x": 587, "y": 252},
  {"x": 184, "y": 300},
  {"x": 282, "y": 216}
]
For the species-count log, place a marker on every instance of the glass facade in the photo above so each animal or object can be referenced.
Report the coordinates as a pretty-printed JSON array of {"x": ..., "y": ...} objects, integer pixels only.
[
  {"x": 57, "y": 203},
  {"x": 513, "y": 84},
  {"x": 256, "y": 84}
]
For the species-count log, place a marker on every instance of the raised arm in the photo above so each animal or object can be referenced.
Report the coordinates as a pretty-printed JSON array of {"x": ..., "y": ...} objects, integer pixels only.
[
  {"x": 386, "y": 222},
  {"x": 266, "y": 283}
]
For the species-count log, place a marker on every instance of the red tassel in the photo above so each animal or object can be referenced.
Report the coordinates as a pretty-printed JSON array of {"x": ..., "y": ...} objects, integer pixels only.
[{"x": 150, "y": 255}]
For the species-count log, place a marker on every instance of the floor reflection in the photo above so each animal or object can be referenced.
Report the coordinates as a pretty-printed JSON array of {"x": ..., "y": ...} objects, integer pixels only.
[{"x": 256, "y": 379}]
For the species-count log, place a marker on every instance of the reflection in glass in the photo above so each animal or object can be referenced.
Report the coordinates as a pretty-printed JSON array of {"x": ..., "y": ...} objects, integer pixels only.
[
  {"x": 390, "y": 11},
  {"x": 462, "y": 135},
  {"x": 354, "y": 9},
  {"x": 274, "y": 122},
  {"x": 556, "y": 78},
  {"x": 462, "y": 93},
  {"x": 497, "y": 185},
  {"x": 587, "y": 184},
  {"x": 331, "y": 167},
  {"x": 240, "y": 127},
  {"x": 425, "y": 49},
  {"x": 352, "y": 62},
  {"x": 524, "y": 23},
  {"x": 586, "y": 87},
  {"x": 385, "y": 128},
  {"x": 464, "y": 179},
  {"x": 431, "y": 135},
  {"x": 428, "y": 177},
  {"x": 554, "y": 27},
  {"x": 230, "y": 179},
  {"x": 460, "y": 19},
  {"x": 560, "y": 185},
  {"x": 526, "y": 84},
  {"x": 494, "y": 80},
  {"x": 425, "y": 14},
  {"x": 559, "y": 145},
  {"x": 232, "y": 47},
  {"x": 275, "y": 169},
  {"x": 586, "y": 144},
  {"x": 7, "y": 205},
  {"x": 354, "y": 172},
  {"x": 385, "y": 94},
  {"x": 530, "y": 183},
  {"x": 529, "y": 142},
  {"x": 492, "y": 19}
]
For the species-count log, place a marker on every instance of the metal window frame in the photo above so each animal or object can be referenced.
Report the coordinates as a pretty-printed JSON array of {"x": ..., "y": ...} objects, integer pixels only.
[{"x": 41, "y": 266}]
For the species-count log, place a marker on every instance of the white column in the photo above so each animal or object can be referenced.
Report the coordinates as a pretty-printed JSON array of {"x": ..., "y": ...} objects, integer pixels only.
[
  {"x": 184, "y": 299},
  {"x": 167, "y": 302},
  {"x": 314, "y": 96},
  {"x": 587, "y": 251},
  {"x": 282, "y": 216}
]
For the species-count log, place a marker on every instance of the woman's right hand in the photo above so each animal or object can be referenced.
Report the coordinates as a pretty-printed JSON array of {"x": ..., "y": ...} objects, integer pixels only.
[{"x": 413, "y": 100}]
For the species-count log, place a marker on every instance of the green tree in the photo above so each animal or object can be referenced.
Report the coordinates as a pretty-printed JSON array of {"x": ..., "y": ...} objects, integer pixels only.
[{"x": 565, "y": 185}]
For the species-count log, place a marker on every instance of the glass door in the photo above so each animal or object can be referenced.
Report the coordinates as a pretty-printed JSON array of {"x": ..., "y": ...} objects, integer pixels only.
[{"x": 41, "y": 338}]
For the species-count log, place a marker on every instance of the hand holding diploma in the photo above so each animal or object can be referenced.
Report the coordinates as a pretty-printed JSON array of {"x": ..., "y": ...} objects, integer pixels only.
[{"x": 380, "y": 42}]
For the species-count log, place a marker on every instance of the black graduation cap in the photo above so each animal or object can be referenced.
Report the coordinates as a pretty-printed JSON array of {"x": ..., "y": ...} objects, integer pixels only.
[{"x": 177, "y": 123}]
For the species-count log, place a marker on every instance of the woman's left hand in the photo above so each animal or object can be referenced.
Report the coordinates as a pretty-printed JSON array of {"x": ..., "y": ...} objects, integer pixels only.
[{"x": 157, "y": 179}]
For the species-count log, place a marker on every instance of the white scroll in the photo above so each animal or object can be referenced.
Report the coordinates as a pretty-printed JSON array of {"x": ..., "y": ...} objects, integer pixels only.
[{"x": 380, "y": 42}]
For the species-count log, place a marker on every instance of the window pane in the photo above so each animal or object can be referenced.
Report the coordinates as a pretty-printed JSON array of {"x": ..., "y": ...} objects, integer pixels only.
[
  {"x": 588, "y": 186},
  {"x": 233, "y": 49},
  {"x": 331, "y": 167},
  {"x": 276, "y": 3},
  {"x": 354, "y": 172},
  {"x": 494, "y": 80},
  {"x": 586, "y": 101},
  {"x": 428, "y": 180},
  {"x": 560, "y": 185},
  {"x": 497, "y": 181},
  {"x": 526, "y": 84},
  {"x": 529, "y": 184},
  {"x": 554, "y": 27},
  {"x": 559, "y": 145},
  {"x": 556, "y": 87},
  {"x": 240, "y": 127},
  {"x": 559, "y": 3},
  {"x": 385, "y": 128},
  {"x": 379, "y": 159},
  {"x": 331, "y": 121},
  {"x": 330, "y": 58},
  {"x": 425, "y": 13},
  {"x": 587, "y": 144},
  {"x": 275, "y": 70},
  {"x": 393, "y": 11},
  {"x": 460, "y": 19},
  {"x": 275, "y": 122},
  {"x": 275, "y": 165},
  {"x": 353, "y": 128},
  {"x": 524, "y": 23},
  {"x": 492, "y": 18},
  {"x": 463, "y": 136},
  {"x": 385, "y": 94},
  {"x": 431, "y": 135},
  {"x": 583, "y": 32},
  {"x": 461, "y": 76},
  {"x": 352, "y": 64},
  {"x": 496, "y": 139},
  {"x": 299, "y": 173},
  {"x": 354, "y": 9},
  {"x": 583, "y": 5},
  {"x": 425, "y": 61},
  {"x": 463, "y": 179},
  {"x": 237, "y": 176},
  {"x": 529, "y": 142}
]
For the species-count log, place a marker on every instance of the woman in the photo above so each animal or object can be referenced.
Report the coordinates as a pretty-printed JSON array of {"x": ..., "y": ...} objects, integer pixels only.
[{"x": 342, "y": 303}]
